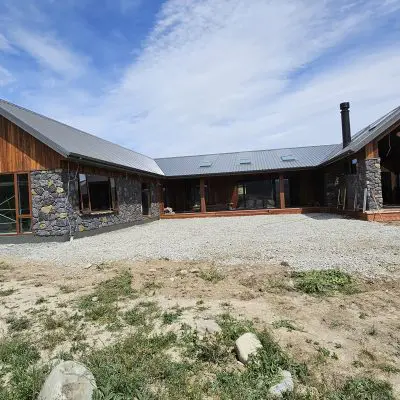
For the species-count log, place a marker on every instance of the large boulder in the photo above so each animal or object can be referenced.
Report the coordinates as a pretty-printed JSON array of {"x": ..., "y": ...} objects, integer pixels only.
[
  {"x": 247, "y": 345},
  {"x": 286, "y": 385},
  {"x": 68, "y": 380}
]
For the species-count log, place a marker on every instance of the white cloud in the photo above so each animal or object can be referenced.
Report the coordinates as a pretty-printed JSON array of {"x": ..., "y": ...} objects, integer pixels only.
[
  {"x": 6, "y": 76},
  {"x": 236, "y": 75},
  {"x": 50, "y": 52},
  {"x": 5, "y": 44}
]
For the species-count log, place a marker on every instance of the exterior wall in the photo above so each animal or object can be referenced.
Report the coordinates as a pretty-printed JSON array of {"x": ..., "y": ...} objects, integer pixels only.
[
  {"x": 368, "y": 176},
  {"x": 21, "y": 152},
  {"x": 55, "y": 204}
]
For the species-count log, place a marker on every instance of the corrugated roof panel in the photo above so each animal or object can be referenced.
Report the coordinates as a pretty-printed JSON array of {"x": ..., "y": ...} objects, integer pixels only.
[
  {"x": 261, "y": 160},
  {"x": 70, "y": 141}
]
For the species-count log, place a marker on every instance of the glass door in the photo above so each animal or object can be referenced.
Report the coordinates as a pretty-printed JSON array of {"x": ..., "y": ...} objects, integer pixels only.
[
  {"x": 8, "y": 211},
  {"x": 15, "y": 204}
]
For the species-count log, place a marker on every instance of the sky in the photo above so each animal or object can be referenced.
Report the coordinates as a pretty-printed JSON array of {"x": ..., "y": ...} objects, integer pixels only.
[{"x": 182, "y": 77}]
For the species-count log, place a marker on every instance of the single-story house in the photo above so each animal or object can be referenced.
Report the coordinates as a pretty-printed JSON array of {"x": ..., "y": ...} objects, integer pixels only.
[{"x": 58, "y": 182}]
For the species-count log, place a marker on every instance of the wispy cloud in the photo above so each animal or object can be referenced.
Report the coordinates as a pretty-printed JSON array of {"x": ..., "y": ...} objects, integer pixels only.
[
  {"x": 49, "y": 52},
  {"x": 230, "y": 75},
  {"x": 4, "y": 44},
  {"x": 6, "y": 77}
]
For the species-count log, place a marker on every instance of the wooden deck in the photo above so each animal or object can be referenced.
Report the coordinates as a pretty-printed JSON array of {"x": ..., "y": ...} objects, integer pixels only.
[
  {"x": 385, "y": 215},
  {"x": 244, "y": 213}
]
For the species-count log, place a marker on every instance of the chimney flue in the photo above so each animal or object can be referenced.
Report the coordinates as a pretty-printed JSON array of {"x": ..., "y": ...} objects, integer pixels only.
[{"x": 346, "y": 132}]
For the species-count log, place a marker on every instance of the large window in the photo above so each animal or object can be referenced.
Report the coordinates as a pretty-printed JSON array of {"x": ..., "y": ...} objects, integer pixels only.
[
  {"x": 97, "y": 193},
  {"x": 15, "y": 204},
  {"x": 257, "y": 194}
]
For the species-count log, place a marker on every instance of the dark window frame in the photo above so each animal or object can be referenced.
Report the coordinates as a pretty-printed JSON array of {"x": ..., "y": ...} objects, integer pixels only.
[{"x": 85, "y": 204}]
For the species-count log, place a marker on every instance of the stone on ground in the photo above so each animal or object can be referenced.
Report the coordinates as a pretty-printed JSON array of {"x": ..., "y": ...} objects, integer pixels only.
[
  {"x": 207, "y": 326},
  {"x": 286, "y": 385},
  {"x": 68, "y": 380},
  {"x": 247, "y": 345}
]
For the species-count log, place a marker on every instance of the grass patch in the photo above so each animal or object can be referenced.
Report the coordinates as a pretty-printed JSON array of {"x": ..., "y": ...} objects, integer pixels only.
[
  {"x": 107, "y": 293},
  {"x": 389, "y": 369},
  {"x": 66, "y": 289},
  {"x": 211, "y": 275},
  {"x": 4, "y": 266},
  {"x": 18, "y": 324},
  {"x": 364, "y": 389},
  {"x": 51, "y": 323},
  {"x": 6, "y": 292},
  {"x": 285, "y": 323},
  {"x": 142, "y": 314},
  {"x": 19, "y": 360},
  {"x": 172, "y": 316},
  {"x": 324, "y": 282}
]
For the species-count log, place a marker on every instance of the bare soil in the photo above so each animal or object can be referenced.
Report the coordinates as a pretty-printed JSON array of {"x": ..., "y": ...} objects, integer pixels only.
[{"x": 360, "y": 331}]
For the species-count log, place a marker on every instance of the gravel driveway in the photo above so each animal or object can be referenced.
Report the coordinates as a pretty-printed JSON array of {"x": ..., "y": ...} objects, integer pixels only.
[{"x": 304, "y": 241}]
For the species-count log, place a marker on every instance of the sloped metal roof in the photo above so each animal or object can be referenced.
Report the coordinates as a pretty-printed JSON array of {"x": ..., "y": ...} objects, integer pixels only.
[
  {"x": 71, "y": 142},
  {"x": 367, "y": 134},
  {"x": 259, "y": 160}
]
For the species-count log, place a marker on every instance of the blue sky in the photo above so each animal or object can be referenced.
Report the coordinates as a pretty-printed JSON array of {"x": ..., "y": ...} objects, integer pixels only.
[{"x": 181, "y": 77}]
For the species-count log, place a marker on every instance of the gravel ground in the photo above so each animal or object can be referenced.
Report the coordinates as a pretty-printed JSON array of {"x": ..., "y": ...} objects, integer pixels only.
[{"x": 304, "y": 241}]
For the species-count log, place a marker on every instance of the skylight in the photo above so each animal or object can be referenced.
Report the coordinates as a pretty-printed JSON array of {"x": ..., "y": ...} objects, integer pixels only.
[
  {"x": 288, "y": 157},
  {"x": 244, "y": 161},
  {"x": 205, "y": 164}
]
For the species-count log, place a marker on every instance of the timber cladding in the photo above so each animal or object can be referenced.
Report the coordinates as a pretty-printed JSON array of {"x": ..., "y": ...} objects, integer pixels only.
[{"x": 20, "y": 151}]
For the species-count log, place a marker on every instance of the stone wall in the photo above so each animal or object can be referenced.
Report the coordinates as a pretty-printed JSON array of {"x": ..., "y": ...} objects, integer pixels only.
[
  {"x": 368, "y": 176},
  {"x": 55, "y": 204}
]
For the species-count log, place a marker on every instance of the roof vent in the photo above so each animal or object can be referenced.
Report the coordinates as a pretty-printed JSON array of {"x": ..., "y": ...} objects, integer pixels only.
[
  {"x": 244, "y": 161},
  {"x": 288, "y": 157},
  {"x": 205, "y": 164}
]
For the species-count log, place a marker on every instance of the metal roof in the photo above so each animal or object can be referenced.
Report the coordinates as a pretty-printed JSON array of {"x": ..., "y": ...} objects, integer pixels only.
[
  {"x": 74, "y": 143},
  {"x": 367, "y": 134},
  {"x": 259, "y": 160}
]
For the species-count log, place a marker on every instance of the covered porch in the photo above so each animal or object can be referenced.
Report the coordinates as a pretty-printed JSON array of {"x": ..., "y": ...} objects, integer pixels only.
[{"x": 244, "y": 194}]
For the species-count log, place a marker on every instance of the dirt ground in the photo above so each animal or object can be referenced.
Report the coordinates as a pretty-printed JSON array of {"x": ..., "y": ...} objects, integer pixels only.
[{"x": 337, "y": 336}]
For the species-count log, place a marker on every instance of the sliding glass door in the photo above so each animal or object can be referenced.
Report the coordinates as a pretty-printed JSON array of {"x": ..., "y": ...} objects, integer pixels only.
[{"x": 15, "y": 204}]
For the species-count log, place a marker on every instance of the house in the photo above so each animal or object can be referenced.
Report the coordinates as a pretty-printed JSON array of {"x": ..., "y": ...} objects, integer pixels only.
[{"x": 58, "y": 182}]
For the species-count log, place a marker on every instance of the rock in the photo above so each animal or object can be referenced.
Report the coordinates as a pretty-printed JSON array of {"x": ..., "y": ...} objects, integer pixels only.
[
  {"x": 47, "y": 209},
  {"x": 183, "y": 272},
  {"x": 95, "y": 298},
  {"x": 68, "y": 380},
  {"x": 286, "y": 385},
  {"x": 87, "y": 266},
  {"x": 204, "y": 326},
  {"x": 247, "y": 345},
  {"x": 152, "y": 270}
]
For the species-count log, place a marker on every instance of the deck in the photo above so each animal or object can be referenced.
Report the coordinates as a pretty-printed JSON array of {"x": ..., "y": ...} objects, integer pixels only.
[{"x": 384, "y": 215}]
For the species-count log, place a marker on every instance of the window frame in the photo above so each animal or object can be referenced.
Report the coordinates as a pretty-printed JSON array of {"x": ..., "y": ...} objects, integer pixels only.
[{"x": 112, "y": 194}]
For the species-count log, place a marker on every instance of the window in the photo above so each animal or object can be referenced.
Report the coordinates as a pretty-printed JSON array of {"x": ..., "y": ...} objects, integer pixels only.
[
  {"x": 15, "y": 204},
  {"x": 97, "y": 193},
  {"x": 244, "y": 161},
  {"x": 288, "y": 157},
  {"x": 205, "y": 164}
]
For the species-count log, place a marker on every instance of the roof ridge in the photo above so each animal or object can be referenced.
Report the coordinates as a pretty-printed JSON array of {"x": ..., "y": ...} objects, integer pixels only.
[
  {"x": 246, "y": 151},
  {"x": 72, "y": 127}
]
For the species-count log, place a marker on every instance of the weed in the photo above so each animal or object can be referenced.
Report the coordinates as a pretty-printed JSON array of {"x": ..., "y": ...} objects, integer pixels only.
[
  {"x": 368, "y": 354},
  {"x": 17, "y": 353},
  {"x": 105, "y": 309},
  {"x": 5, "y": 266},
  {"x": 363, "y": 315},
  {"x": 142, "y": 314},
  {"x": 50, "y": 323},
  {"x": 211, "y": 275},
  {"x": 285, "y": 323},
  {"x": 40, "y": 300},
  {"x": 171, "y": 317},
  {"x": 6, "y": 292},
  {"x": 357, "y": 364},
  {"x": 52, "y": 339},
  {"x": 17, "y": 324},
  {"x": 324, "y": 282},
  {"x": 363, "y": 389},
  {"x": 372, "y": 331},
  {"x": 390, "y": 369},
  {"x": 66, "y": 289}
]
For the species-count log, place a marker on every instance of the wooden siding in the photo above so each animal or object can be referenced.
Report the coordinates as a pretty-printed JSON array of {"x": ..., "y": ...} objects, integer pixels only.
[{"x": 20, "y": 151}]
